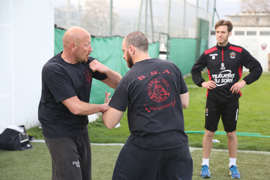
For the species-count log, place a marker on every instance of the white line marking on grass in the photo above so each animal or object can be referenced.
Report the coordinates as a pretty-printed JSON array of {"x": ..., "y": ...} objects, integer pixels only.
[
  {"x": 226, "y": 150},
  {"x": 38, "y": 140},
  {"x": 190, "y": 148},
  {"x": 108, "y": 144}
]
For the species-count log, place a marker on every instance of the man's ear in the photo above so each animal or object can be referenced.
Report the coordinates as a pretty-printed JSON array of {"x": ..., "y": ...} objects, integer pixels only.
[
  {"x": 73, "y": 46},
  {"x": 131, "y": 49},
  {"x": 230, "y": 33}
]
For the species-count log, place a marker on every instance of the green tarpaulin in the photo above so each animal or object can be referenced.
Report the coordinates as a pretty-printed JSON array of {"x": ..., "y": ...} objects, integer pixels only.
[
  {"x": 183, "y": 54},
  {"x": 58, "y": 43}
]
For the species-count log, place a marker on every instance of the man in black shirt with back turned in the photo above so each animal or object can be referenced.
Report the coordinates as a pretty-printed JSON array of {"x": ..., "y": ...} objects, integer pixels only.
[
  {"x": 64, "y": 104},
  {"x": 155, "y": 92},
  {"x": 224, "y": 63}
]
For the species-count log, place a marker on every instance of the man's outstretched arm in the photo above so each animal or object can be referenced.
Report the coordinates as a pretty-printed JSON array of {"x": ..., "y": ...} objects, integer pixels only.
[
  {"x": 78, "y": 107},
  {"x": 112, "y": 117}
]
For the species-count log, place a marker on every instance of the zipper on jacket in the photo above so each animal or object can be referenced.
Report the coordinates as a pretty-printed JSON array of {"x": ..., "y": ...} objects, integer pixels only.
[{"x": 222, "y": 55}]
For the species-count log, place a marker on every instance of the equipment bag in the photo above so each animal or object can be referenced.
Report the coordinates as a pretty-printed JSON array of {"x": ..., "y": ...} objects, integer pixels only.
[{"x": 15, "y": 138}]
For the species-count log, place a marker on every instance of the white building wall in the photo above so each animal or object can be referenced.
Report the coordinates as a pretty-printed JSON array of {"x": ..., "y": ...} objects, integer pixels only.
[
  {"x": 26, "y": 43},
  {"x": 252, "y": 43}
]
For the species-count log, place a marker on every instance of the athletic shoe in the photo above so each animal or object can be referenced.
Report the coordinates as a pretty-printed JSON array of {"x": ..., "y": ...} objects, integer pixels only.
[
  {"x": 234, "y": 172},
  {"x": 205, "y": 172}
]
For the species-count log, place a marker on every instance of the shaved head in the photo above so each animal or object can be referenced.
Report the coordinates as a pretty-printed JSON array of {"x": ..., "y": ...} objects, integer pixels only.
[
  {"x": 74, "y": 35},
  {"x": 138, "y": 40},
  {"x": 77, "y": 47}
]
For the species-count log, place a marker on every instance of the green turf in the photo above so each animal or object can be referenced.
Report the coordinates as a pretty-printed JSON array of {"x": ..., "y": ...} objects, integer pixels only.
[
  {"x": 32, "y": 164},
  {"x": 254, "y": 117},
  {"x": 249, "y": 165},
  {"x": 99, "y": 133},
  {"x": 35, "y": 164}
]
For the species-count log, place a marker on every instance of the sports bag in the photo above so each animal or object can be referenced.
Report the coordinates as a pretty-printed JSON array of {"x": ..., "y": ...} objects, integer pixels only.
[{"x": 15, "y": 138}]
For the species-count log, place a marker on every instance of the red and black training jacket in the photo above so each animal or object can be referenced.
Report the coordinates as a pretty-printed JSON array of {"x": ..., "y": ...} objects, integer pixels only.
[{"x": 224, "y": 66}]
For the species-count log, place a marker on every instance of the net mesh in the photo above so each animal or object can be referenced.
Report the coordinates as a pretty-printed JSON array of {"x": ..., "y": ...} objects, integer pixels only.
[{"x": 179, "y": 28}]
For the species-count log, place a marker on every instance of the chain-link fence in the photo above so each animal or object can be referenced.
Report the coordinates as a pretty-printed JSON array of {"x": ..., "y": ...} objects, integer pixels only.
[
  {"x": 176, "y": 18},
  {"x": 180, "y": 28}
]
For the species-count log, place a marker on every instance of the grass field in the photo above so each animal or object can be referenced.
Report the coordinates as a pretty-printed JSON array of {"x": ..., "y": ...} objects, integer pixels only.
[
  {"x": 35, "y": 164},
  {"x": 254, "y": 117}
]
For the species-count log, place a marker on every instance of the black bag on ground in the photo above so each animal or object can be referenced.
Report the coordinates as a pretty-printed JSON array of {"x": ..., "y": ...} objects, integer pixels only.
[{"x": 15, "y": 139}]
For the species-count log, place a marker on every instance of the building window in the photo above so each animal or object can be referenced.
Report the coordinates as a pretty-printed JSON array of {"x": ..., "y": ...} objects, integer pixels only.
[
  {"x": 239, "y": 33},
  {"x": 237, "y": 19},
  {"x": 264, "y": 33},
  {"x": 212, "y": 32},
  {"x": 251, "y": 33}
]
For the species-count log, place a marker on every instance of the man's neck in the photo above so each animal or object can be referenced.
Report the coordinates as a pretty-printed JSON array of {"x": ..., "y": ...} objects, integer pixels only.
[
  {"x": 223, "y": 44},
  {"x": 141, "y": 57},
  {"x": 68, "y": 58}
]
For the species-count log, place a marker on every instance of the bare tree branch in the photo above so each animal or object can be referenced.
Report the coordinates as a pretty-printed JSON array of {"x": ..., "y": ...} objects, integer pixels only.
[{"x": 255, "y": 11}]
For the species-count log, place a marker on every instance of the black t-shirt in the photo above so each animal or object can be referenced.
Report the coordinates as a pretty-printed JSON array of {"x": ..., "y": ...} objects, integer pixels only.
[
  {"x": 151, "y": 89},
  {"x": 60, "y": 81}
]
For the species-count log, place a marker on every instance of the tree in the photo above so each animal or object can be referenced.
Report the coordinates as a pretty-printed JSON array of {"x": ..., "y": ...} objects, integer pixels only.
[{"x": 256, "y": 8}]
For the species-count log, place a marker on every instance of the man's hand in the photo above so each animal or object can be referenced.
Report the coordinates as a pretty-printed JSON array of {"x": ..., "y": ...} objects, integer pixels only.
[
  {"x": 209, "y": 85},
  {"x": 95, "y": 65},
  {"x": 105, "y": 106},
  {"x": 107, "y": 99},
  {"x": 237, "y": 86}
]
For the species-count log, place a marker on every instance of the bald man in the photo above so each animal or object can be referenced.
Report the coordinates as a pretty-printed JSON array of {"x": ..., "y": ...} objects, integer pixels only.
[
  {"x": 64, "y": 104},
  {"x": 155, "y": 92}
]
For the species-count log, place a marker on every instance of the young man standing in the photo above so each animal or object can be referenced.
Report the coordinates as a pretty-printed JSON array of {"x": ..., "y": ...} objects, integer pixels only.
[
  {"x": 224, "y": 64},
  {"x": 155, "y": 92},
  {"x": 64, "y": 104}
]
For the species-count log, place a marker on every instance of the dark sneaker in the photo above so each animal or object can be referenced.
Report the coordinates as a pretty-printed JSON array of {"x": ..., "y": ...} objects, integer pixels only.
[
  {"x": 205, "y": 173},
  {"x": 234, "y": 172}
]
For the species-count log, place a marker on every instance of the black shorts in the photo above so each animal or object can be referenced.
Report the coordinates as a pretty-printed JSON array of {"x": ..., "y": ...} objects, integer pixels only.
[
  {"x": 71, "y": 157},
  {"x": 227, "y": 111},
  {"x": 135, "y": 163}
]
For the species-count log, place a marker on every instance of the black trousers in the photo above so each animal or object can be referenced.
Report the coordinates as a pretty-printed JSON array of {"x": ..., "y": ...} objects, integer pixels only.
[
  {"x": 71, "y": 157},
  {"x": 135, "y": 163}
]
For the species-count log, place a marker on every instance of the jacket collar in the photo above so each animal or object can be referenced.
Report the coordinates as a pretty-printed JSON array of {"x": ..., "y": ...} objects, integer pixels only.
[{"x": 223, "y": 47}]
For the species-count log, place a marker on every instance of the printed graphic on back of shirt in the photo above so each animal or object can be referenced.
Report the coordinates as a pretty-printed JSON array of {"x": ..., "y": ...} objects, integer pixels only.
[{"x": 158, "y": 90}]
